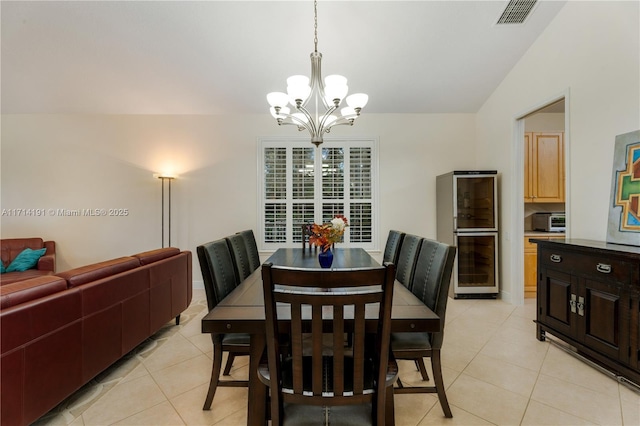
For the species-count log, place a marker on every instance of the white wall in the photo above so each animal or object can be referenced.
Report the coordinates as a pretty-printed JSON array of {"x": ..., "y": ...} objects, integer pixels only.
[
  {"x": 107, "y": 161},
  {"x": 545, "y": 122},
  {"x": 591, "y": 50}
]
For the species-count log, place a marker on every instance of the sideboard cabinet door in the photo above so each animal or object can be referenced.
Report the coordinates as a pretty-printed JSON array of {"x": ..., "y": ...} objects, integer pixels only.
[
  {"x": 557, "y": 301},
  {"x": 605, "y": 325}
]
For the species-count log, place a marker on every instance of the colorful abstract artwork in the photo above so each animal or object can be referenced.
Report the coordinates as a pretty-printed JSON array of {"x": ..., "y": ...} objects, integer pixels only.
[{"x": 624, "y": 210}]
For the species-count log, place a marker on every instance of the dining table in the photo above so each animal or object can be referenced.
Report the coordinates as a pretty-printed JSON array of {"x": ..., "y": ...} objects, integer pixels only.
[{"x": 242, "y": 311}]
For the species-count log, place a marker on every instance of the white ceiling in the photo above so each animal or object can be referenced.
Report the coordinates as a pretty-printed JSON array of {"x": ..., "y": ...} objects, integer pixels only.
[{"x": 213, "y": 57}]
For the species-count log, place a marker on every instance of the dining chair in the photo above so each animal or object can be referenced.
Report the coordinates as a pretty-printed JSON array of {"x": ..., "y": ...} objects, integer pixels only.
[
  {"x": 306, "y": 233},
  {"x": 354, "y": 383},
  {"x": 220, "y": 279},
  {"x": 252, "y": 248},
  {"x": 392, "y": 247},
  {"x": 431, "y": 285},
  {"x": 240, "y": 256},
  {"x": 407, "y": 257}
]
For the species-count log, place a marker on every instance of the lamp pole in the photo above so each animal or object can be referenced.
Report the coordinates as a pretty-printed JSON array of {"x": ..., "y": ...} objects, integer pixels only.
[{"x": 166, "y": 178}]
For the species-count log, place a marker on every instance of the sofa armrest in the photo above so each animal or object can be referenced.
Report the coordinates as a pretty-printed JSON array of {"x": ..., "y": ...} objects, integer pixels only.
[{"x": 48, "y": 261}]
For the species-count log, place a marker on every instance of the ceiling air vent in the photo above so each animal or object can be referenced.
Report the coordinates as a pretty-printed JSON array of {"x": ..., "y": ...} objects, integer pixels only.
[{"x": 516, "y": 11}]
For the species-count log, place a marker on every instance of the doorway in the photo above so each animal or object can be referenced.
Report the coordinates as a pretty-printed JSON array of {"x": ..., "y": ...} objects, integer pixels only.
[{"x": 541, "y": 147}]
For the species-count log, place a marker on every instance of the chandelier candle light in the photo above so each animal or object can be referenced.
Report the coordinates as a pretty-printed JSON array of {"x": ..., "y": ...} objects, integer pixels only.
[{"x": 330, "y": 93}]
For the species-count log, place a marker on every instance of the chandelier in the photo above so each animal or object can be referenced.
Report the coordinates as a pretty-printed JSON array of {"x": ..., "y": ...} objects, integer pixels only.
[{"x": 327, "y": 96}]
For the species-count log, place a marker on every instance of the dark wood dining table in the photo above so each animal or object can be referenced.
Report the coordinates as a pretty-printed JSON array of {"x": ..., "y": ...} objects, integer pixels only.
[{"x": 242, "y": 311}]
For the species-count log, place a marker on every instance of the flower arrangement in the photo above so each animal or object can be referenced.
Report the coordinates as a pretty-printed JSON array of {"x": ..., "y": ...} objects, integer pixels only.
[{"x": 327, "y": 234}]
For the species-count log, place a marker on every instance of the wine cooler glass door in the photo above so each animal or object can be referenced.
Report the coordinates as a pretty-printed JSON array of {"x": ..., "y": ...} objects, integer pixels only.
[
  {"x": 475, "y": 203},
  {"x": 477, "y": 267}
]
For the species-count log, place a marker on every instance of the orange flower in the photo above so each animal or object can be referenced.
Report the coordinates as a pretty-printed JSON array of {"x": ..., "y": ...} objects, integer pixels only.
[{"x": 327, "y": 234}]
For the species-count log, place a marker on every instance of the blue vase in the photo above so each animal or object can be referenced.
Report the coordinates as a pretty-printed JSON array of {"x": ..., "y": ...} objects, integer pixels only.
[{"x": 325, "y": 258}]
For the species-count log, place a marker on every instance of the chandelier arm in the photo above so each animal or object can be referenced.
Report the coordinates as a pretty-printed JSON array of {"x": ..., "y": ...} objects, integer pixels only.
[
  {"x": 325, "y": 117},
  {"x": 310, "y": 125},
  {"x": 289, "y": 121},
  {"x": 292, "y": 120},
  {"x": 340, "y": 122}
]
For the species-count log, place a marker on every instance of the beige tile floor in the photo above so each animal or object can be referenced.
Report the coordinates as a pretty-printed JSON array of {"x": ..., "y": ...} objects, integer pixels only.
[{"x": 495, "y": 371}]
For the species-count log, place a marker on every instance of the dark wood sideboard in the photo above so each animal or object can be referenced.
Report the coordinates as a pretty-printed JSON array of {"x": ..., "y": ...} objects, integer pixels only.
[{"x": 588, "y": 295}]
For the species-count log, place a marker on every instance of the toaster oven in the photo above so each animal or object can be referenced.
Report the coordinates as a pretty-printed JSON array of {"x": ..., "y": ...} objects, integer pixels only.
[{"x": 549, "y": 222}]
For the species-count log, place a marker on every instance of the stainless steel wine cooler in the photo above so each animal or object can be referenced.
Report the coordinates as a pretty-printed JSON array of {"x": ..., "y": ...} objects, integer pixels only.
[{"x": 467, "y": 216}]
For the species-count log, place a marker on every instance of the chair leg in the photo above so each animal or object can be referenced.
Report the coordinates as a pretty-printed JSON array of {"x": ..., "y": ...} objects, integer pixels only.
[
  {"x": 275, "y": 411},
  {"x": 227, "y": 368},
  {"x": 215, "y": 373},
  {"x": 178, "y": 320},
  {"x": 423, "y": 370},
  {"x": 437, "y": 376},
  {"x": 389, "y": 413}
]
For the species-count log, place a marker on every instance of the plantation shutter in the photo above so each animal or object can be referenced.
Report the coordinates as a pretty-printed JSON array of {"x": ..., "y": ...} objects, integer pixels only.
[{"x": 304, "y": 184}]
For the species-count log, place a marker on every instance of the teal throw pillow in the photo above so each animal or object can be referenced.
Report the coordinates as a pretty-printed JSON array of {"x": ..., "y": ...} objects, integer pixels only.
[
  {"x": 27, "y": 259},
  {"x": 2, "y": 270}
]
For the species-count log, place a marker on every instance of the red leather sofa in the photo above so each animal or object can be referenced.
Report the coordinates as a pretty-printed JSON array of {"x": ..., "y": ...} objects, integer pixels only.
[
  {"x": 11, "y": 247},
  {"x": 57, "y": 332}
]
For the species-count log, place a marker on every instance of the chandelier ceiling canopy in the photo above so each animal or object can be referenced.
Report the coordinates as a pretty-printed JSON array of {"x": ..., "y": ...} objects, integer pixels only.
[{"x": 315, "y": 101}]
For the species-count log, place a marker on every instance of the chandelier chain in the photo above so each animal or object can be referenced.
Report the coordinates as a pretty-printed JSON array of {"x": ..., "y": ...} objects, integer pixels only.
[{"x": 315, "y": 25}]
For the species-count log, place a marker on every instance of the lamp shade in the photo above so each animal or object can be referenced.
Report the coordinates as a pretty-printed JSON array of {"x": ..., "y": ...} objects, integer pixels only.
[
  {"x": 334, "y": 93},
  {"x": 298, "y": 88},
  {"x": 335, "y": 88},
  {"x": 357, "y": 100},
  {"x": 335, "y": 80},
  {"x": 278, "y": 99}
]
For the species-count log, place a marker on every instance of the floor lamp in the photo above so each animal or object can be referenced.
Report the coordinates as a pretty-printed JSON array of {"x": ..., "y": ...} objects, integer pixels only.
[{"x": 166, "y": 205}]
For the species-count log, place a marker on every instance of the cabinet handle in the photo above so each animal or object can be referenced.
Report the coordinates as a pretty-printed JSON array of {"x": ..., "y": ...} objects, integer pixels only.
[
  {"x": 604, "y": 268},
  {"x": 572, "y": 303},
  {"x": 555, "y": 258},
  {"x": 581, "y": 306}
]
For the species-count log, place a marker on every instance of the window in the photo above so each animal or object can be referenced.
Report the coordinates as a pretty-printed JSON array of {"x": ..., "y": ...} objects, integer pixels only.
[{"x": 300, "y": 184}]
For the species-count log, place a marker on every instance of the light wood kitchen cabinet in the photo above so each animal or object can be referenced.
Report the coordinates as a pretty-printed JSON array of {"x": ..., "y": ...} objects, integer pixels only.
[
  {"x": 544, "y": 167},
  {"x": 530, "y": 263}
]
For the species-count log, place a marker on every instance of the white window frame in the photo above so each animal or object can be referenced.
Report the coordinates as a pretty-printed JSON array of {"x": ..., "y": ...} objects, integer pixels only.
[{"x": 298, "y": 142}]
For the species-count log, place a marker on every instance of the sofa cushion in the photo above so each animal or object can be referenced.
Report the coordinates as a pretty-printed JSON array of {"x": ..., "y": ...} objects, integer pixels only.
[
  {"x": 12, "y": 277},
  {"x": 151, "y": 256},
  {"x": 34, "y": 288},
  {"x": 27, "y": 259},
  {"x": 96, "y": 271}
]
